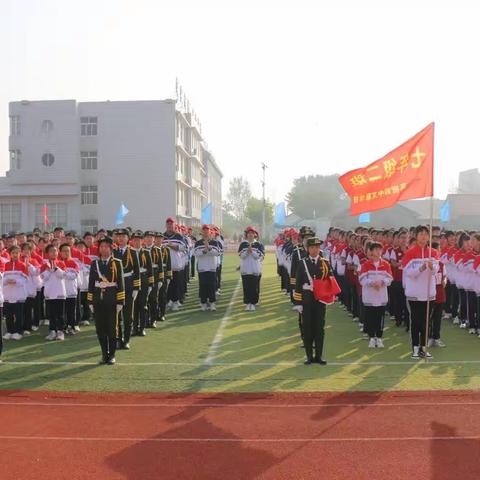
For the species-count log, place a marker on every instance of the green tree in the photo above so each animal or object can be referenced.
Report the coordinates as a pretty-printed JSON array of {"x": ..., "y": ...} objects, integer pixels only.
[
  {"x": 254, "y": 211},
  {"x": 239, "y": 193},
  {"x": 316, "y": 196}
]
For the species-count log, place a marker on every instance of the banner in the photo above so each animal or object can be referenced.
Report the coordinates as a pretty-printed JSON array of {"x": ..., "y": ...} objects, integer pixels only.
[
  {"x": 122, "y": 212},
  {"x": 402, "y": 174},
  {"x": 206, "y": 216},
  {"x": 280, "y": 215}
]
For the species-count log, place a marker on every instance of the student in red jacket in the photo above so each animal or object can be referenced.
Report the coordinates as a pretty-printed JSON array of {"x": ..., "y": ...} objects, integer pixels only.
[
  {"x": 14, "y": 293},
  {"x": 437, "y": 307},
  {"x": 375, "y": 278}
]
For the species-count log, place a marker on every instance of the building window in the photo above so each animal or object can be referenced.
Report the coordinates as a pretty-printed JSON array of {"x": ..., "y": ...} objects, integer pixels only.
[
  {"x": 15, "y": 159},
  {"x": 10, "y": 217},
  {"x": 48, "y": 159},
  {"x": 89, "y": 194},
  {"x": 89, "y": 225},
  {"x": 88, "y": 126},
  {"x": 56, "y": 214},
  {"x": 14, "y": 125},
  {"x": 89, "y": 160},
  {"x": 47, "y": 126}
]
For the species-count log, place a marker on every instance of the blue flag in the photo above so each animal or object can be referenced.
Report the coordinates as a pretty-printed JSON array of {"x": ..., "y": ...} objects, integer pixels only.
[
  {"x": 206, "y": 214},
  {"x": 280, "y": 215},
  {"x": 364, "y": 217},
  {"x": 122, "y": 212},
  {"x": 445, "y": 212}
]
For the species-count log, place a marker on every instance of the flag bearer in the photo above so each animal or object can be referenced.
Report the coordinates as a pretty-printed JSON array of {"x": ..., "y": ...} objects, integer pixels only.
[
  {"x": 106, "y": 294},
  {"x": 313, "y": 267}
]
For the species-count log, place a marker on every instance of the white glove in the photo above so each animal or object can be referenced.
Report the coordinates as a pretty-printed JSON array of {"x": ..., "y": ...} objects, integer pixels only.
[
  {"x": 298, "y": 308},
  {"x": 148, "y": 291},
  {"x": 135, "y": 293},
  {"x": 119, "y": 308},
  {"x": 91, "y": 308},
  {"x": 307, "y": 286}
]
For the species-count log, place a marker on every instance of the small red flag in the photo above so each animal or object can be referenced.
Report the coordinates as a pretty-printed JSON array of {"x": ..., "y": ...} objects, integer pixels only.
[
  {"x": 45, "y": 215},
  {"x": 402, "y": 174}
]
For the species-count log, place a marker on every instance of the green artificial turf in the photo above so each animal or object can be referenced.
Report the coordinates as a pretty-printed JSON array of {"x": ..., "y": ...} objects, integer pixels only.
[{"x": 253, "y": 352}]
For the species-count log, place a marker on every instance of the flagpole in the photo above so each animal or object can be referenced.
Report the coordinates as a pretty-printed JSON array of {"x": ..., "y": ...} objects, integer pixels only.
[{"x": 430, "y": 235}]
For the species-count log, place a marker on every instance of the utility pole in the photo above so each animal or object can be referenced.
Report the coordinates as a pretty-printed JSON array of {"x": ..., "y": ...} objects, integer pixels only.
[{"x": 264, "y": 201}]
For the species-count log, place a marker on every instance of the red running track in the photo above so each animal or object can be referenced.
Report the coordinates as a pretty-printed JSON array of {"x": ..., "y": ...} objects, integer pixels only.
[{"x": 354, "y": 436}]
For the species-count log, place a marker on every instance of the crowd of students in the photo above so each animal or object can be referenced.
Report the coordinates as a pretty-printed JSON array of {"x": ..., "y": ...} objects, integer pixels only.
[
  {"x": 45, "y": 278},
  {"x": 396, "y": 272}
]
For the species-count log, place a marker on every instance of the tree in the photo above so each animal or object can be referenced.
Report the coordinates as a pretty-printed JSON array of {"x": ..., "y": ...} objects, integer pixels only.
[
  {"x": 237, "y": 198},
  {"x": 316, "y": 196},
  {"x": 254, "y": 211}
]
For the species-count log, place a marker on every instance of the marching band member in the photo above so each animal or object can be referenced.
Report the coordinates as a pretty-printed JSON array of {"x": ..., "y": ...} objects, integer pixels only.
[
  {"x": 251, "y": 253},
  {"x": 206, "y": 252},
  {"x": 165, "y": 276}
]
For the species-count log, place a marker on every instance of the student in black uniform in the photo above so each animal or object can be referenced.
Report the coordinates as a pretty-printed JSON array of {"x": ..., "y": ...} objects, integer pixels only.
[
  {"x": 131, "y": 271},
  {"x": 106, "y": 295},
  {"x": 166, "y": 276},
  {"x": 313, "y": 267},
  {"x": 157, "y": 268}
]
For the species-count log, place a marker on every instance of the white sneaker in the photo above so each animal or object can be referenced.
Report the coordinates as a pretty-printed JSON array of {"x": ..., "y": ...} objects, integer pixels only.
[
  {"x": 52, "y": 335},
  {"x": 463, "y": 325},
  {"x": 175, "y": 306},
  {"x": 252, "y": 307},
  {"x": 247, "y": 307},
  {"x": 213, "y": 307},
  {"x": 431, "y": 342},
  {"x": 360, "y": 327},
  {"x": 365, "y": 336},
  {"x": 60, "y": 335},
  {"x": 472, "y": 331},
  {"x": 380, "y": 343},
  {"x": 218, "y": 292},
  {"x": 85, "y": 323},
  {"x": 203, "y": 307},
  {"x": 169, "y": 305},
  {"x": 415, "y": 353},
  {"x": 356, "y": 319},
  {"x": 16, "y": 336},
  {"x": 76, "y": 328},
  {"x": 447, "y": 316},
  {"x": 456, "y": 321},
  {"x": 392, "y": 317},
  {"x": 46, "y": 322},
  {"x": 372, "y": 343},
  {"x": 439, "y": 343},
  {"x": 424, "y": 354},
  {"x": 34, "y": 328},
  {"x": 7, "y": 336},
  {"x": 26, "y": 332}
]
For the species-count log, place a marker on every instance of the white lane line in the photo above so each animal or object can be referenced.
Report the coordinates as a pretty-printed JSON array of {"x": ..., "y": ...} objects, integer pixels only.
[
  {"x": 238, "y": 440},
  {"x": 249, "y": 364},
  {"x": 236, "y": 405},
  {"x": 219, "y": 335}
]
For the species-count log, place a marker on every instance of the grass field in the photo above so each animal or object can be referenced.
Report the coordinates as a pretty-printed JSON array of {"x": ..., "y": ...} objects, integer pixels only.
[{"x": 236, "y": 351}]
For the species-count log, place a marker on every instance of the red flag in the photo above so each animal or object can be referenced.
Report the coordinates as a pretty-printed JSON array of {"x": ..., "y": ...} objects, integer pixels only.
[
  {"x": 45, "y": 215},
  {"x": 402, "y": 174}
]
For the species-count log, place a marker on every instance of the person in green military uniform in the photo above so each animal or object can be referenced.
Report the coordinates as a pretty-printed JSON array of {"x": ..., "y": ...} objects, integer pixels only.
[
  {"x": 313, "y": 311},
  {"x": 131, "y": 271},
  {"x": 146, "y": 284},
  {"x": 106, "y": 297}
]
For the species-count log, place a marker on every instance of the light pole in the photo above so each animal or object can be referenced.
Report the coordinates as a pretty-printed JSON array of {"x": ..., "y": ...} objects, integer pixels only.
[{"x": 264, "y": 201}]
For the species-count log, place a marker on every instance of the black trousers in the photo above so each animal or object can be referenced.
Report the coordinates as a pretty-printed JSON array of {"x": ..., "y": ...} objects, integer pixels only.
[
  {"x": 14, "y": 317},
  {"x": 162, "y": 299},
  {"x": 219, "y": 276},
  {"x": 399, "y": 303},
  {"x": 71, "y": 311},
  {"x": 435, "y": 323},
  {"x": 125, "y": 319},
  {"x": 206, "y": 287},
  {"x": 463, "y": 312},
  {"x": 374, "y": 316},
  {"x": 472, "y": 309},
  {"x": 152, "y": 303},
  {"x": 175, "y": 287},
  {"x": 448, "y": 295},
  {"x": 140, "y": 307},
  {"x": 106, "y": 326},
  {"x": 37, "y": 309},
  {"x": 192, "y": 266},
  {"x": 313, "y": 321},
  {"x": 418, "y": 316},
  {"x": 84, "y": 308},
  {"x": 251, "y": 289},
  {"x": 455, "y": 300},
  {"x": 55, "y": 309},
  {"x": 28, "y": 313}
]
